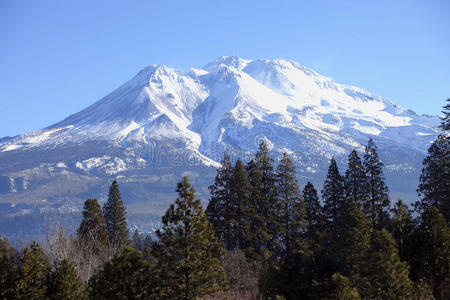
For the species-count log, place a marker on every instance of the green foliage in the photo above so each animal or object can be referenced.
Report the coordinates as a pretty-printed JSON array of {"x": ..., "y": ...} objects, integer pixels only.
[
  {"x": 313, "y": 213},
  {"x": 356, "y": 183},
  {"x": 240, "y": 192},
  {"x": 333, "y": 198},
  {"x": 434, "y": 186},
  {"x": 423, "y": 291},
  {"x": 268, "y": 206},
  {"x": 189, "y": 250},
  {"x": 34, "y": 273},
  {"x": 92, "y": 230},
  {"x": 257, "y": 235},
  {"x": 114, "y": 213},
  {"x": 377, "y": 205},
  {"x": 342, "y": 288},
  {"x": 431, "y": 260},
  {"x": 295, "y": 278},
  {"x": 445, "y": 125},
  {"x": 65, "y": 283},
  {"x": 222, "y": 207},
  {"x": 290, "y": 210},
  {"x": 353, "y": 242},
  {"x": 9, "y": 269},
  {"x": 125, "y": 276},
  {"x": 383, "y": 275}
]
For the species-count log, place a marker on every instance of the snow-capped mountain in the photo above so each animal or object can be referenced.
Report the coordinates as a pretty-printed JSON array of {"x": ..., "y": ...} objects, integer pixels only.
[{"x": 166, "y": 122}]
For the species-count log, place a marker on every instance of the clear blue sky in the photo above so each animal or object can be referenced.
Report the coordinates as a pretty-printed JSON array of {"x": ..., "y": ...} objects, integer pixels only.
[{"x": 57, "y": 57}]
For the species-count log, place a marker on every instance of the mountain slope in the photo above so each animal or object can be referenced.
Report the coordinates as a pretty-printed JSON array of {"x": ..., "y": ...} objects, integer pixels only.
[{"x": 163, "y": 123}]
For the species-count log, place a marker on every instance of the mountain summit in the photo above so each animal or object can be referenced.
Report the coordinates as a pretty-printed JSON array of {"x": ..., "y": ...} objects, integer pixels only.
[{"x": 166, "y": 122}]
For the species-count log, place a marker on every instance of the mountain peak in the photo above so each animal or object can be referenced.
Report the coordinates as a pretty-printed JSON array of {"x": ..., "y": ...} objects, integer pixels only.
[
  {"x": 230, "y": 61},
  {"x": 164, "y": 121},
  {"x": 233, "y": 90}
]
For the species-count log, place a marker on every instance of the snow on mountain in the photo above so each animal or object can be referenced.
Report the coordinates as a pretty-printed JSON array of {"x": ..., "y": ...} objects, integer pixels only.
[
  {"x": 195, "y": 104},
  {"x": 164, "y": 122}
]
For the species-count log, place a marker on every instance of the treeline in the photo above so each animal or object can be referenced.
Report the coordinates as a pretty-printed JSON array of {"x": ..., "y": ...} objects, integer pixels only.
[
  {"x": 261, "y": 236},
  {"x": 352, "y": 245}
]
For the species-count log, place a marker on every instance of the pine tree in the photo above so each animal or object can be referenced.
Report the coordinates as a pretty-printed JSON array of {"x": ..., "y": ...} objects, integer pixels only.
[
  {"x": 376, "y": 207},
  {"x": 383, "y": 275},
  {"x": 240, "y": 192},
  {"x": 126, "y": 276},
  {"x": 190, "y": 250},
  {"x": 431, "y": 260},
  {"x": 65, "y": 283},
  {"x": 313, "y": 212},
  {"x": 221, "y": 207},
  {"x": 257, "y": 235},
  {"x": 9, "y": 269},
  {"x": 434, "y": 186},
  {"x": 333, "y": 198},
  {"x": 355, "y": 180},
  {"x": 445, "y": 125},
  {"x": 402, "y": 228},
  {"x": 268, "y": 205},
  {"x": 290, "y": 212},
  {"x": 92, "y": 230},
  {"x": 34, "y": 273},
  {"x": 116, "y": 224}
]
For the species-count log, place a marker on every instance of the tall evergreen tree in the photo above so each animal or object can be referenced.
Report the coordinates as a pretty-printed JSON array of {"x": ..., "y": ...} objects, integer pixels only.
[
  {"x": 116, "y": 224},
  {"x": 383, "y": 275},
  {"x": 34, "y": 273},
  {"x": 257, "y": 234},
  {"x": 290, "y": 212},
  {"x": 333, "y": 198},
  {"x": 313, "y": 212},
  {"x": 268, "y": 204},
  {"x": 240, "y": 192},
  {"x": 434, "y": 186},
  {"x": 376, "y": 207},
  {"x": 445, "y": 125},
  {"x": 9, "y": 269},
  {"x": 221, "y": 207},
  {"x": 431, "y": 260},
  {"x": 65, "y": 283},
  {"x": 92, "y": 230},
  {"x": 190, "y": 250},
  {"x": 355, "y": 180}
]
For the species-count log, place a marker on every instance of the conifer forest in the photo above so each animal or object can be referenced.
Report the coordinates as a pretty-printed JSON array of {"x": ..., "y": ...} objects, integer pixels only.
[{"x": 263, "y": 235}]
